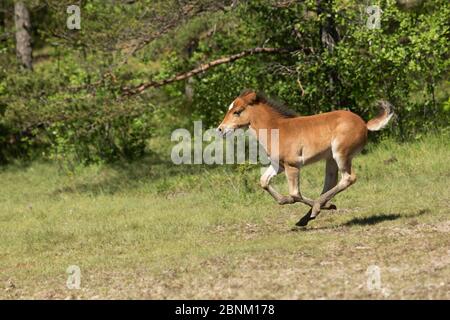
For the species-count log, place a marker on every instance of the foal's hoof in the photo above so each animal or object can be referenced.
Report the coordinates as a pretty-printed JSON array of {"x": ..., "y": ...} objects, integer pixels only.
[
  {"x": 304, "y": 221},
  {"x": 331, "y": 207}
]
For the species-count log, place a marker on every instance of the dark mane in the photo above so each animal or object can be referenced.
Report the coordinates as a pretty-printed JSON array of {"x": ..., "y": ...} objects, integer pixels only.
[{"x": 276, "y": 105}]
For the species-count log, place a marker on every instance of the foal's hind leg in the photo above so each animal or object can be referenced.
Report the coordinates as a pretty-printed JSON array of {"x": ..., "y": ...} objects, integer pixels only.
[
  {"x": 331, "y": 179},
  {"x": 347, "y": 179}
]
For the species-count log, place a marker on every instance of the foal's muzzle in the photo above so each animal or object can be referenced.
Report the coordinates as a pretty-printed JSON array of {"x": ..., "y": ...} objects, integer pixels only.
[{"x": 223, "y": 132}]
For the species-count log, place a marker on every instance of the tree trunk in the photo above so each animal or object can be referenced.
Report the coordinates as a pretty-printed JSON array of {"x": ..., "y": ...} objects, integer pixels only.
[
  {"x": 23, "y": 37},
  {"x": 2, "y": 16},
  {"x": 188, "y": 87},
  {"x": 329, "y": 36}
]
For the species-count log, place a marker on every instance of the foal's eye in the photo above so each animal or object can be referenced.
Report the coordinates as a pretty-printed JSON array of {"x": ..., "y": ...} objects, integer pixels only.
[{"x": 237, "y": 113}]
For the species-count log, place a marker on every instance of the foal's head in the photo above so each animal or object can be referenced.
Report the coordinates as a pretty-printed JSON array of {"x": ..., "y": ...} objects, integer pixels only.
[
  {"x": 244, "y": 108},
  {"x": 238, "y": 115}
]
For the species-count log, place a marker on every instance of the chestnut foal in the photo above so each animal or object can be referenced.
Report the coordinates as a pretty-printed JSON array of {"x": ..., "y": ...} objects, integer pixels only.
[{"x": 335, "y": 136}]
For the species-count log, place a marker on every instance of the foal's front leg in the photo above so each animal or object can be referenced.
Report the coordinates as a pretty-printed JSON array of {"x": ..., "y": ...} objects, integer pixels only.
[
  {"x": 292, "y": 177},
  {"x": 271, "y": 172},
  {"x": 292, "y": 174}
]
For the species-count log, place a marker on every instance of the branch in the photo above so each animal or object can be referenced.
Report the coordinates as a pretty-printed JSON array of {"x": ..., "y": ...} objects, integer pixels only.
[
  {"x": 185, "y": 13},
  {"x": 127, "y": 91}
]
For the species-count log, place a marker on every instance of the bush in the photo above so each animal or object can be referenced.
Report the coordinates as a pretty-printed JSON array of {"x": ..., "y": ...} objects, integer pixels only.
[{"x": 71, "y": 107}]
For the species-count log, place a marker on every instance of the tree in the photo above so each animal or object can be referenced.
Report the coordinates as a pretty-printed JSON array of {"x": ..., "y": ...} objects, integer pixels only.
[
  {"x": 23, "y": 37},
  {"x": 139, "y": 69}
]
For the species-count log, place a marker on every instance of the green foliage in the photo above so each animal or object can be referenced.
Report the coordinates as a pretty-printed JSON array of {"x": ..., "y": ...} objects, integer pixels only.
[
  {"x": 80, "y": 127},
  {"x": 404, "y": 61},
  {"x": 71, "y": 106}
]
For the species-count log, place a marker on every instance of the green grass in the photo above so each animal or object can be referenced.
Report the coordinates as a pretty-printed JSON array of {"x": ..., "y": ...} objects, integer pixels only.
[{"x": 155, "y": 230}]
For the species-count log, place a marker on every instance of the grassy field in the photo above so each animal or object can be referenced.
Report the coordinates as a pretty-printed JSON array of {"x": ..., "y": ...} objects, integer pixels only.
[{"x": 155, "y": 230}]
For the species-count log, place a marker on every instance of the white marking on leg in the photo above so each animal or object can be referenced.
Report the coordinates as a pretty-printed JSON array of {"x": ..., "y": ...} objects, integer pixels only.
[
  {"x": 333, "y": 147},
  {"x": 301, "y": 161},
  {"x": 268, "y": 174},
  {"x": 336, "y": 156}
]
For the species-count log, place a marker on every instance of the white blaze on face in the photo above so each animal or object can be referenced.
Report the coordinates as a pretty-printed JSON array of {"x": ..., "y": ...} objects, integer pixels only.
[{"x": 231, "y": 106}]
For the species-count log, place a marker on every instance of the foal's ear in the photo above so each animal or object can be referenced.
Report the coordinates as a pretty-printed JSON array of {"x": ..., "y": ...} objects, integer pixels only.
[{"x": 250, "y": 97}]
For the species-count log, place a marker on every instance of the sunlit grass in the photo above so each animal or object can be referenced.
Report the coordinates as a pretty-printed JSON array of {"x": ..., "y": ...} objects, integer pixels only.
[{"x": 156, "y": 230}]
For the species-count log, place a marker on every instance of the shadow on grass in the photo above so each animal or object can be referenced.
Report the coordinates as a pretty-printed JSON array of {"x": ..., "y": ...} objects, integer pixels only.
[
  {"x": 378, "y": 218},
  {"x": 367, "y": 221}
]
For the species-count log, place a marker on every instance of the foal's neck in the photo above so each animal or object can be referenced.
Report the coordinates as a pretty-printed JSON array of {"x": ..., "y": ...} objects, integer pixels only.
[
  {"x": 264, "y": 117},
  {"x": 265, "y": 123}
]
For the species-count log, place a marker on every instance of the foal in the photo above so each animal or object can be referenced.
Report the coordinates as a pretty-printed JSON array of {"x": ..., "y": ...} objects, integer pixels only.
[{"x": 335, "y": 137}]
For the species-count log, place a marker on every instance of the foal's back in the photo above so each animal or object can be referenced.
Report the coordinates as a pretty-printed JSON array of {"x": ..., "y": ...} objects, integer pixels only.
[{"x": 320, "y": 136}]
